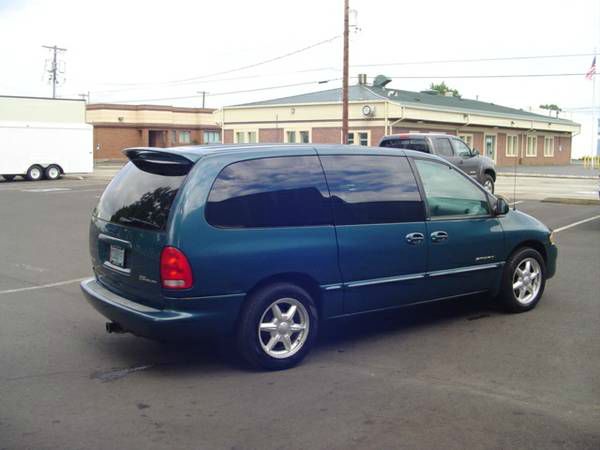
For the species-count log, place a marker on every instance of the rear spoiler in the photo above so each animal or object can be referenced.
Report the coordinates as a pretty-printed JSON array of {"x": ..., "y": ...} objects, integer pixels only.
[{"x": 159, "y": 161}]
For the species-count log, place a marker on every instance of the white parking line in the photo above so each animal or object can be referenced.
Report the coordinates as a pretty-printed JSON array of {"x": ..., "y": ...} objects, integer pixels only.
[
  {"x": 43, "y": 286},
  {"x": 566, "y": 227}
]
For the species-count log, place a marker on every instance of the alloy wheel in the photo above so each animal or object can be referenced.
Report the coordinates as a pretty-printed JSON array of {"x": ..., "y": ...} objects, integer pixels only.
[
  {"x": 527, "y": 280},
  {"x": 283, "y": 328}
]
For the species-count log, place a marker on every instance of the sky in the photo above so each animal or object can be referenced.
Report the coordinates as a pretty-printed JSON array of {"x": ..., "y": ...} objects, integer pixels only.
[{"x": 140, "y": 51}]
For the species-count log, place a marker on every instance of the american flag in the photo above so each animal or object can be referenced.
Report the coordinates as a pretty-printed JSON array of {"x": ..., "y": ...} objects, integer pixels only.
[{"x": 590, "y": 73}]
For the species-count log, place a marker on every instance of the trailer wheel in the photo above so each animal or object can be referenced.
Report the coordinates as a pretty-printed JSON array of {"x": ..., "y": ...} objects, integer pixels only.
[
  {"x": 34, "y": 173},
  {"x": 52, "y": 172},
  {"x": 8, "y": 177}
]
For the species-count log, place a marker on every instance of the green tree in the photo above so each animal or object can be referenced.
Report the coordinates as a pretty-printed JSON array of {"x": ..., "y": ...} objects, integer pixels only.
[
  {"x": 443, "y": 89},
  {"x": 551, "y": 107}
]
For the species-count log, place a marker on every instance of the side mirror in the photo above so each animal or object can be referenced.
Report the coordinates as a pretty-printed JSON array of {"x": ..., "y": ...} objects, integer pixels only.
[
  {"x": 475, "y": 152},
  {"x": 501, "y": 207}
]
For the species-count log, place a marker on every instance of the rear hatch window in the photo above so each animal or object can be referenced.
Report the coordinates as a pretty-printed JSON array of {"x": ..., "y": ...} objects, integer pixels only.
[
  {"x": 139, "y": 199},
  {"x": 128, "y": 230}
]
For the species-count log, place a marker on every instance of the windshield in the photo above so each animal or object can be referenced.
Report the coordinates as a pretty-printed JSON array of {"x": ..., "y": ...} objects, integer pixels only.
[{"x": 139, "y": 199}]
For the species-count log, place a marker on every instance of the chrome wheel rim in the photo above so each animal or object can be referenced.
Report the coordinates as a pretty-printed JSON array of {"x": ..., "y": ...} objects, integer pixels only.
[
  {"x": 35, "y": 173},
  {"x": 283, "y": 328},
  {"x": 527, "y": 280},
  {"x": 53, "y": 172},
  {"x": 489, "y": 186}
]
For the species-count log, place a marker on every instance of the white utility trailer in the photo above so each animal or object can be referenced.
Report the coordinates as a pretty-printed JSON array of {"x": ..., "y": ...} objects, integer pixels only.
[{"x": 44, "y": 138}]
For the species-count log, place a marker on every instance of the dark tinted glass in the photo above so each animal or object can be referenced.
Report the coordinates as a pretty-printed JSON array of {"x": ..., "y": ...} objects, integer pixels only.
[
  {"x": 139, "y": 199},
  {"x": 419, "y": 145},
  {"x": 270, "y": 192},
  {"x": 442, "y": 147},
  {"x": 372, "y": 189}
]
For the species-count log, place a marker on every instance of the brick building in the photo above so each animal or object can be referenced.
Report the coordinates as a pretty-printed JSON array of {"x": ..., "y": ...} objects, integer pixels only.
[
  {"x": 120, "y": 126},
  {"x": 500, "y": 132}
]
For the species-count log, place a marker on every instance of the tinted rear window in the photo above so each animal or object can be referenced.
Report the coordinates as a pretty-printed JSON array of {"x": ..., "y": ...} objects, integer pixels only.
[
  {"x": 417, "y": 144},
  {"x": 139, "y": 199},
  {"x": 270, "y": 192},
  {"x": 372, "y": 189}
]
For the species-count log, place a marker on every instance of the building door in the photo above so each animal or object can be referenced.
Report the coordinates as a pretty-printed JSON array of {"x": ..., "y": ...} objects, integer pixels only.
[
  {"x": 156, "y": 138},
  {"x": 489, "y": 145}
]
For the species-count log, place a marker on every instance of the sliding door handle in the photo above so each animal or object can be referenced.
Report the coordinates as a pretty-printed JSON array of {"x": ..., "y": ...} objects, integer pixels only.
[
  {"x": 415, "y": 238},
  {"x": 438, "y": 236}
]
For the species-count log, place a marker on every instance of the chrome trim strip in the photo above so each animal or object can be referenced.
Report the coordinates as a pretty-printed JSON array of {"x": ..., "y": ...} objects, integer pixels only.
[
  {"x": 114, "y": 240},
  {"x": 332, "y": 287},
  {"x": 441, "y": 273},
  {"x": 412, "y": 276}
]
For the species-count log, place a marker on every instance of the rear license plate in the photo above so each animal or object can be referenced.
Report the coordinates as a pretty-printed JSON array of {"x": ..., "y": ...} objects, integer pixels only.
[{"x": 117, "y": 256}]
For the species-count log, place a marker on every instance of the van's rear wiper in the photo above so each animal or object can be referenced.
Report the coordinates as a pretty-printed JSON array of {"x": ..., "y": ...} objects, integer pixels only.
[{"x": 136, "y": 221}]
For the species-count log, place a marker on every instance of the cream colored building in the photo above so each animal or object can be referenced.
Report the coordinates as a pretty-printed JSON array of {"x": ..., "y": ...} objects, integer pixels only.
[{"x": 500, "y": 132}]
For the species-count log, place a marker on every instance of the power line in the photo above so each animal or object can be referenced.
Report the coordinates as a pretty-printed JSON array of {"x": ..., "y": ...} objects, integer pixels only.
[
  {"x": 268, "y": 88},
  {"x": 470, "y": 60},
  {"x": 523, "y": 75},
  {"x": 237, "y": 69}
]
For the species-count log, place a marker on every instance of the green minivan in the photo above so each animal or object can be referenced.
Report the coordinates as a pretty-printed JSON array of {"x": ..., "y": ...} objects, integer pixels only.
[{"x": 267, "y": 242}]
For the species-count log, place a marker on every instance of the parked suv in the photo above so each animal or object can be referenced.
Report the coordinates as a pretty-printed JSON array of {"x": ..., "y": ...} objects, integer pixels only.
[
  {"x": 451, "y": 148},
  {"x": 267, "y": 242}
]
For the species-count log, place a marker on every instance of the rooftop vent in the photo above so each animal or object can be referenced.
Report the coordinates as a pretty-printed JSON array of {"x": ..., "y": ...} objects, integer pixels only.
[
  {"x": 362, "y": 78},
  {"x": 381, "y": 81},
  {"x": 430, "y": 92}
]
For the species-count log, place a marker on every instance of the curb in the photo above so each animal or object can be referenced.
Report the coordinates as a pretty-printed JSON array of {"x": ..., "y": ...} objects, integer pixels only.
[
  {"x": 543, "y": 175},
  {"x": 571, "y": 201}
]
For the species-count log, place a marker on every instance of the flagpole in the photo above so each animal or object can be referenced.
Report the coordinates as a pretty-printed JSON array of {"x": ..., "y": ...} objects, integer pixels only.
[{"x": 594, "y": 149}]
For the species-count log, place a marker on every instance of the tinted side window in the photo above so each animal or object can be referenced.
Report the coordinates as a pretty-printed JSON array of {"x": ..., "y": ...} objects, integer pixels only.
[
  {"x": 270, "y": 192},
  {"x": 372, "y": 189},
  {"x": 450, "y": 193},
  {"x": 419, "y": 145},
  {"x": 442, "y": 147}
]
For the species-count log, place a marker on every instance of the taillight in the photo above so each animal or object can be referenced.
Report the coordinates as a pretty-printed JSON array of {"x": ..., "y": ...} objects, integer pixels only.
[{"x": 175, "y": 270}]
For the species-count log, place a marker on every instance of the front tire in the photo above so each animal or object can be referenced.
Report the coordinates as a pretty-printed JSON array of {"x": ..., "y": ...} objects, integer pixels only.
[
  {"x": 523, "y": 280},
  {"x": 34, "y": 173},
  {"x": 277, "y": 327},
  {"x": 52, "y": 172},
  {"x": 488, "y": 183}
]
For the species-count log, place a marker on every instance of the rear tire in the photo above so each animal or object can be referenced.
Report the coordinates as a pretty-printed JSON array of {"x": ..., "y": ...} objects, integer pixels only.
[
  {"x": 34, "y": 173},
  {"x": 52, "y": 172},
  {"x": 488, "y": 183},
  {"x": 278, "y": 327},
  {"x": 523, "y": 280},
  {"x": 8, "y": 177}
]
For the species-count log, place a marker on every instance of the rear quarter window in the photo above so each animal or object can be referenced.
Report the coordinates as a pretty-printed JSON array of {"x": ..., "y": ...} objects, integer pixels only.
[
  {"x": 270, "y": 192},
  {"x": 417, "y": 144}
]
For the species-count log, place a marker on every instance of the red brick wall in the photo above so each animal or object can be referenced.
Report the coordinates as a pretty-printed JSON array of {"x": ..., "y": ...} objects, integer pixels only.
[
  {"x": 327, "y": 135},
  {"x": 560, "y": 158},
  {"x": 227, "y": 136},
  {"x": 113, "y": 140},
  {"x": 270, "y": 135}
]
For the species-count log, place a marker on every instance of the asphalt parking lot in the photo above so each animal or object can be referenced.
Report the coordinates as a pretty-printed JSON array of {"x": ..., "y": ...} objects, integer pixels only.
[{"x": 450, "y": 375}]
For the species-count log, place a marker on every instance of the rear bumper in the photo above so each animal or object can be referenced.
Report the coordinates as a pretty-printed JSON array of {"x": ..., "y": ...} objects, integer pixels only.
[{"x": 208, "y": 316}]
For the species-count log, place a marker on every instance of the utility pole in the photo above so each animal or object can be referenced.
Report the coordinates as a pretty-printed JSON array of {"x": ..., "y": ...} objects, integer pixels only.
[
  {"x": 203, "y": 97},
  {"x": 54, "y": 68},
  {"x": 345, "y": 75}
]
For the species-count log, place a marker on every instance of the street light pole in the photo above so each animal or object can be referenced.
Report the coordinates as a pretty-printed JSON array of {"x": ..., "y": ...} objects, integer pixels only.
[{"x": 345, "y": 75}]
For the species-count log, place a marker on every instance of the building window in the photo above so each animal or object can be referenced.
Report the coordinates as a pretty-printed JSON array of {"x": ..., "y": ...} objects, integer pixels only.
[
  {"x": 549, "y": 146},
  {"x": 358, "y": 137},
  {"x": 211, "y": 137},
  {"x": 467, "y": 139},
  {"x": 174, "y": 136},
  {"x": 511, "y": 146},
  {"x": 246, "y": 137},
  {"x": 185, "y": 137},
  {"x": 531, "y": 146},
  {"x": 297, "y": 137}
]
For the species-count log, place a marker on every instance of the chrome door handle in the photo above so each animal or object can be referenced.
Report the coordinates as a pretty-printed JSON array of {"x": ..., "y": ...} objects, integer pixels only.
[
  {"x": 415, "y": 238},
  {"x": 438, "y": 236}
]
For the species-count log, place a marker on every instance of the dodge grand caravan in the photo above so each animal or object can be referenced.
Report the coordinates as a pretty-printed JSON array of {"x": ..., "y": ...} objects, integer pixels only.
[{"x": 266, "y": 242}]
